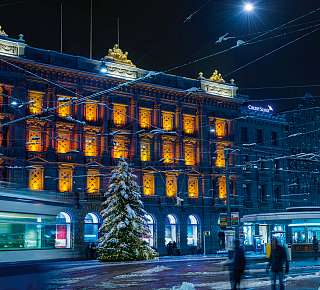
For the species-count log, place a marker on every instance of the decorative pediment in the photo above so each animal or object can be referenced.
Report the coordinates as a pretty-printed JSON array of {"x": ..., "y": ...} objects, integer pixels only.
[
  {"x": 37, "y": 159},
  {"x": 94, "y": 164},
  {"x": 117, "y": 55}
]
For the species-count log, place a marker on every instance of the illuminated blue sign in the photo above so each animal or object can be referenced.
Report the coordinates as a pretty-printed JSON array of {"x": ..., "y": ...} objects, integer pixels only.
[{"x": 268, "y": 109}]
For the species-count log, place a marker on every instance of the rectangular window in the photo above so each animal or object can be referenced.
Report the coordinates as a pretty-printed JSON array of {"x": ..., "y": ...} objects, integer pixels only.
[
  {"x": 63, "y": 143},
  {"x": 148, "y": 184},
  {"x": 244, "y": 134},
  {"x": 193, "y": 187},
  {"x": 36, "y": 178},
  {"x": 220, "y": 128},
  {"x": 188, "y": 124},
  {"x": 64, "y": 106},
  {"x": 220, "y": 160},
  {"x": 145, "y": 118},
  {"x": 119, "y": 114},
  {"x": 119, "y": 149},
  {"x": 34, "y": 139},
  {"x": 274, "y": 138},
  {"x": 65, "y": 179},
  {"x": 222, "y": 187},
  {"x": 259, "y": 136},
  {"x": 93, "y": 181},
  {"x": 171, "y": 185},
  {"x": 90, "y": 144},
  {"x": 189, "y": 154},
  {"x": 35, "y": 102},
  {"x": 145, "y": 150},
  {"x": 91, "y": 112},
  {"x": 168, "y": 151},
  {"x": 167, "y": 121}
]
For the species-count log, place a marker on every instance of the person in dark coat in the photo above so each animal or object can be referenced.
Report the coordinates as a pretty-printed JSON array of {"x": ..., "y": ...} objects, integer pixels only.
[
  {"x": 93, "y": 250},
  {"x": 169, "y": 249},
  {"x": 315, "y": 246},
  {"x": 278, "y": 262},
  {"x": 174, "y": 248},
  {"x": 237, "y": 266}
]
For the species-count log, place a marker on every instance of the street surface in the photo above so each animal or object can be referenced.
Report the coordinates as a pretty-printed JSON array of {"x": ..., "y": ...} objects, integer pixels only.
[{"x": 203, "y": 274}]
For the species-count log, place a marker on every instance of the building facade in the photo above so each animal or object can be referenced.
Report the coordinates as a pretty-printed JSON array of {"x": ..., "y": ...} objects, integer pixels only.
[{"x": 66, "y": 120}]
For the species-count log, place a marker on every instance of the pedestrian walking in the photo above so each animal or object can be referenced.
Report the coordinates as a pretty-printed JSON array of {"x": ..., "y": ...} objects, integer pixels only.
[
  {"x": 169, "y": 249},
  {"x": 315, "y": 246},
  {"x": 93, "y": 251},
  {"x": 237, "y": 265},
  {"x": 279, "y": 264}
]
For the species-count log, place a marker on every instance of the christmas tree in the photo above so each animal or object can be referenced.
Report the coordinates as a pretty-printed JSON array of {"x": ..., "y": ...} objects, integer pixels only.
[{"x": 124, "y": 222}]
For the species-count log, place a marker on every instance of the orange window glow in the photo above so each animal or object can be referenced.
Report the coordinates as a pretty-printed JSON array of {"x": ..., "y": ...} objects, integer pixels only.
[
  {"x": 91, "y": 112},
  {"x": 220, "y": 128},
  {"x": 168, "y": 151},
  {"x": 220, "y": 161},
  {"x": 222, "y": 187},
  {"x": 34, "y": 139},
  {"x": 148, "y": 184},
  {"x": 36, "y": 178},
  {"x": 93, "y": 181},
  {"x": 167, "y": 121},
  {"x": 35, "y": 102},
  {"x": 145, "y": 118},
  {"x": 193, "y": 187},
  {"x": 145, "y": 150},
  {"x": 90, "y": 144},
  {"x": 188, "y": 124},
  {"x": 189, "y": 154},
  {"x": 65, "y": 179},
  {"x": 171, "y": 185},
  {"x": 64, "y": 106},
  {"x": 63, "y": 143},
  {"x": 119, "y": 149},
  {"x": 119, "y": 114}
]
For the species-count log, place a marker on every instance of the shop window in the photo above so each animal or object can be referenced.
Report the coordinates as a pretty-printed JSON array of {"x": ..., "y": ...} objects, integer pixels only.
[
  {"x": 91, "y": 228},
  {"x": 189, "y": 154},
  {"x": 193, "y": 231},
  {"x": 65, "y": 179},
  {"x": 145, "y": 150},
  {"x": 36, "y": 178},
  {"x": 64, "y": 106},
  {"x": 145, "y": 118},
  {"x": 119, "y": 149},
  {"x": 150, "y": 239},
  {"x": 119, "y": 114},
  {"x": 91, "y": 112},
  {"x": 35, "y": 102},
  {"x": 93, "y": 181},
  {"x": 193, "y": 187},
  {"x": 171, "y": 185},
  {"x": 167, "y": 121},
  {"x": 34, "y": 139},
  {"x": 148, "y": 184},
  {"x": 63, "y": 231},
  {"x": 220, "y": 161},
  {"x": 171, "y": 229},
  {"x": 222, "y": 187},
  {"x": 168, "y": 151},
  {"x": 90, "y": 144},
  {"x": 220, "y": 128},
  {"x": 63, "y": 143},
  {"x": 188, "y": 124}
]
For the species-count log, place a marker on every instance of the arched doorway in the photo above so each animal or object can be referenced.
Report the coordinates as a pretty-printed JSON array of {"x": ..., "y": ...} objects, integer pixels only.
[
  {"x": 193, "y": 230},
  {"x": 91, "y": 228},
  {"x": 63, "y": 230},
  {"x": 152, "y": 228},
  {"x": 171, "y": 229}
]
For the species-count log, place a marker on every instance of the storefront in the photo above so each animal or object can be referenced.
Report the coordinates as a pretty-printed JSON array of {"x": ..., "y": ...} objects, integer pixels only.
[{"x": 296, "y": 226}]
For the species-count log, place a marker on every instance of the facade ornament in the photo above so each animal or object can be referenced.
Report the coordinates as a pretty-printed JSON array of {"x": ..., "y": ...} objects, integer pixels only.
[
  {"x": 2, "y": 32},
  {"x": 116, "y": 54},
  {"x": 200, "y": 76},
  {"x": 216, "y": 77}
]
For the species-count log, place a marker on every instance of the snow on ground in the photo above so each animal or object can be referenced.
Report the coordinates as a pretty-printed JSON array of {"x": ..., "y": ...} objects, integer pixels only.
[
  {"x": 184, "y": 286},
  {"x": 67, "y": 281},
  {"x": 147, "y": 272}
]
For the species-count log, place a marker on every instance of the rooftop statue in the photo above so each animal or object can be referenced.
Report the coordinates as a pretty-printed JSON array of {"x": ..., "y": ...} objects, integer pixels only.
[
  {"x": 216, "y": 77},
  {"x": 116, "y": 54}
]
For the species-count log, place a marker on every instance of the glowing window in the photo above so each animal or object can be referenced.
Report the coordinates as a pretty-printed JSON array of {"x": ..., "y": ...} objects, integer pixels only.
[
  {"x": 220, "y": 161},
  {"x": 145, "y": 118},
  {"x": 36, "y": 178},
  {"x": 189, "y": 154},
  {"x": 119, "y": 114},
  {"x": 63, "y": 231},
  {"x": 168, "y": 151},
  {"x": 65, "y": 179},
  {"x": 91, "y": 112},
  {"x": 64, "y": 106},
  {"x": 36, "y": 102},
  {"x": 171, "y": 185},
  {"x": 63, "y": 144},
  {"x": 91, "y": 228},
  {"x": 93, "y": 181},
  {"x": 220, "y": 128},
  {"x": 34, "y": 139},
  {"x": 119, "y": 149},
  {"x": 193, "y": 231},
  {"x": 171, "y": 229},
  {"x": 188, "y": 124},
  {"x": 193, "y": 187},
  {"x": 145, "y": 150},
  {"x": 148, "y": 184},
  {"x": 222, "y": 187},
  {"x": 90, "y": 144},
  {"x": 167, "y": 121}
]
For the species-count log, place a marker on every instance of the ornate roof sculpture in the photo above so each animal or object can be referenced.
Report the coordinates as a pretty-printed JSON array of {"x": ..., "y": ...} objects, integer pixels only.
[
  {"x": 2, "y": 32},
  {"x": 116, "y": 54},
  {"x": 216, "y": 77}
]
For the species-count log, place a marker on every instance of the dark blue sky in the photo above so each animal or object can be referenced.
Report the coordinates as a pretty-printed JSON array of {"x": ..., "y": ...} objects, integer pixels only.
[{"x": 156, "y": 37}]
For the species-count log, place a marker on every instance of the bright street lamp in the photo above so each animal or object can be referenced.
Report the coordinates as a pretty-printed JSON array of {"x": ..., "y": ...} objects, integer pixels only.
[{"x": 248, "y": 7}]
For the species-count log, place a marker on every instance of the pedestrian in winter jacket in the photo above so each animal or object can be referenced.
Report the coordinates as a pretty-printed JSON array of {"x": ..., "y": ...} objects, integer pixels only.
[
  {"x": 279, "y": 264},
  {"x": 237, "y": 266}
]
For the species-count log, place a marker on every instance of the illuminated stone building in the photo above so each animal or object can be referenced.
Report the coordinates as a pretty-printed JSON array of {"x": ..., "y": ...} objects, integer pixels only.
[{"x": 64, "y": 126}]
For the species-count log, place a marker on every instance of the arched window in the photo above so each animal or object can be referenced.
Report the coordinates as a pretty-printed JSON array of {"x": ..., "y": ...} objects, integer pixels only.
[
  {"x": 91, "y": 228},
  {"x": 151, "y": 225},
  {"x": 193, "y": 231},
  {"x": 63, "y": 230},
  {"x": 171, "y": 229}
]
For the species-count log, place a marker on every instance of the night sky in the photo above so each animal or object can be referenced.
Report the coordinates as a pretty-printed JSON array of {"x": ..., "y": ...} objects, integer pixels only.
[{"x": 157, "y": 37}]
